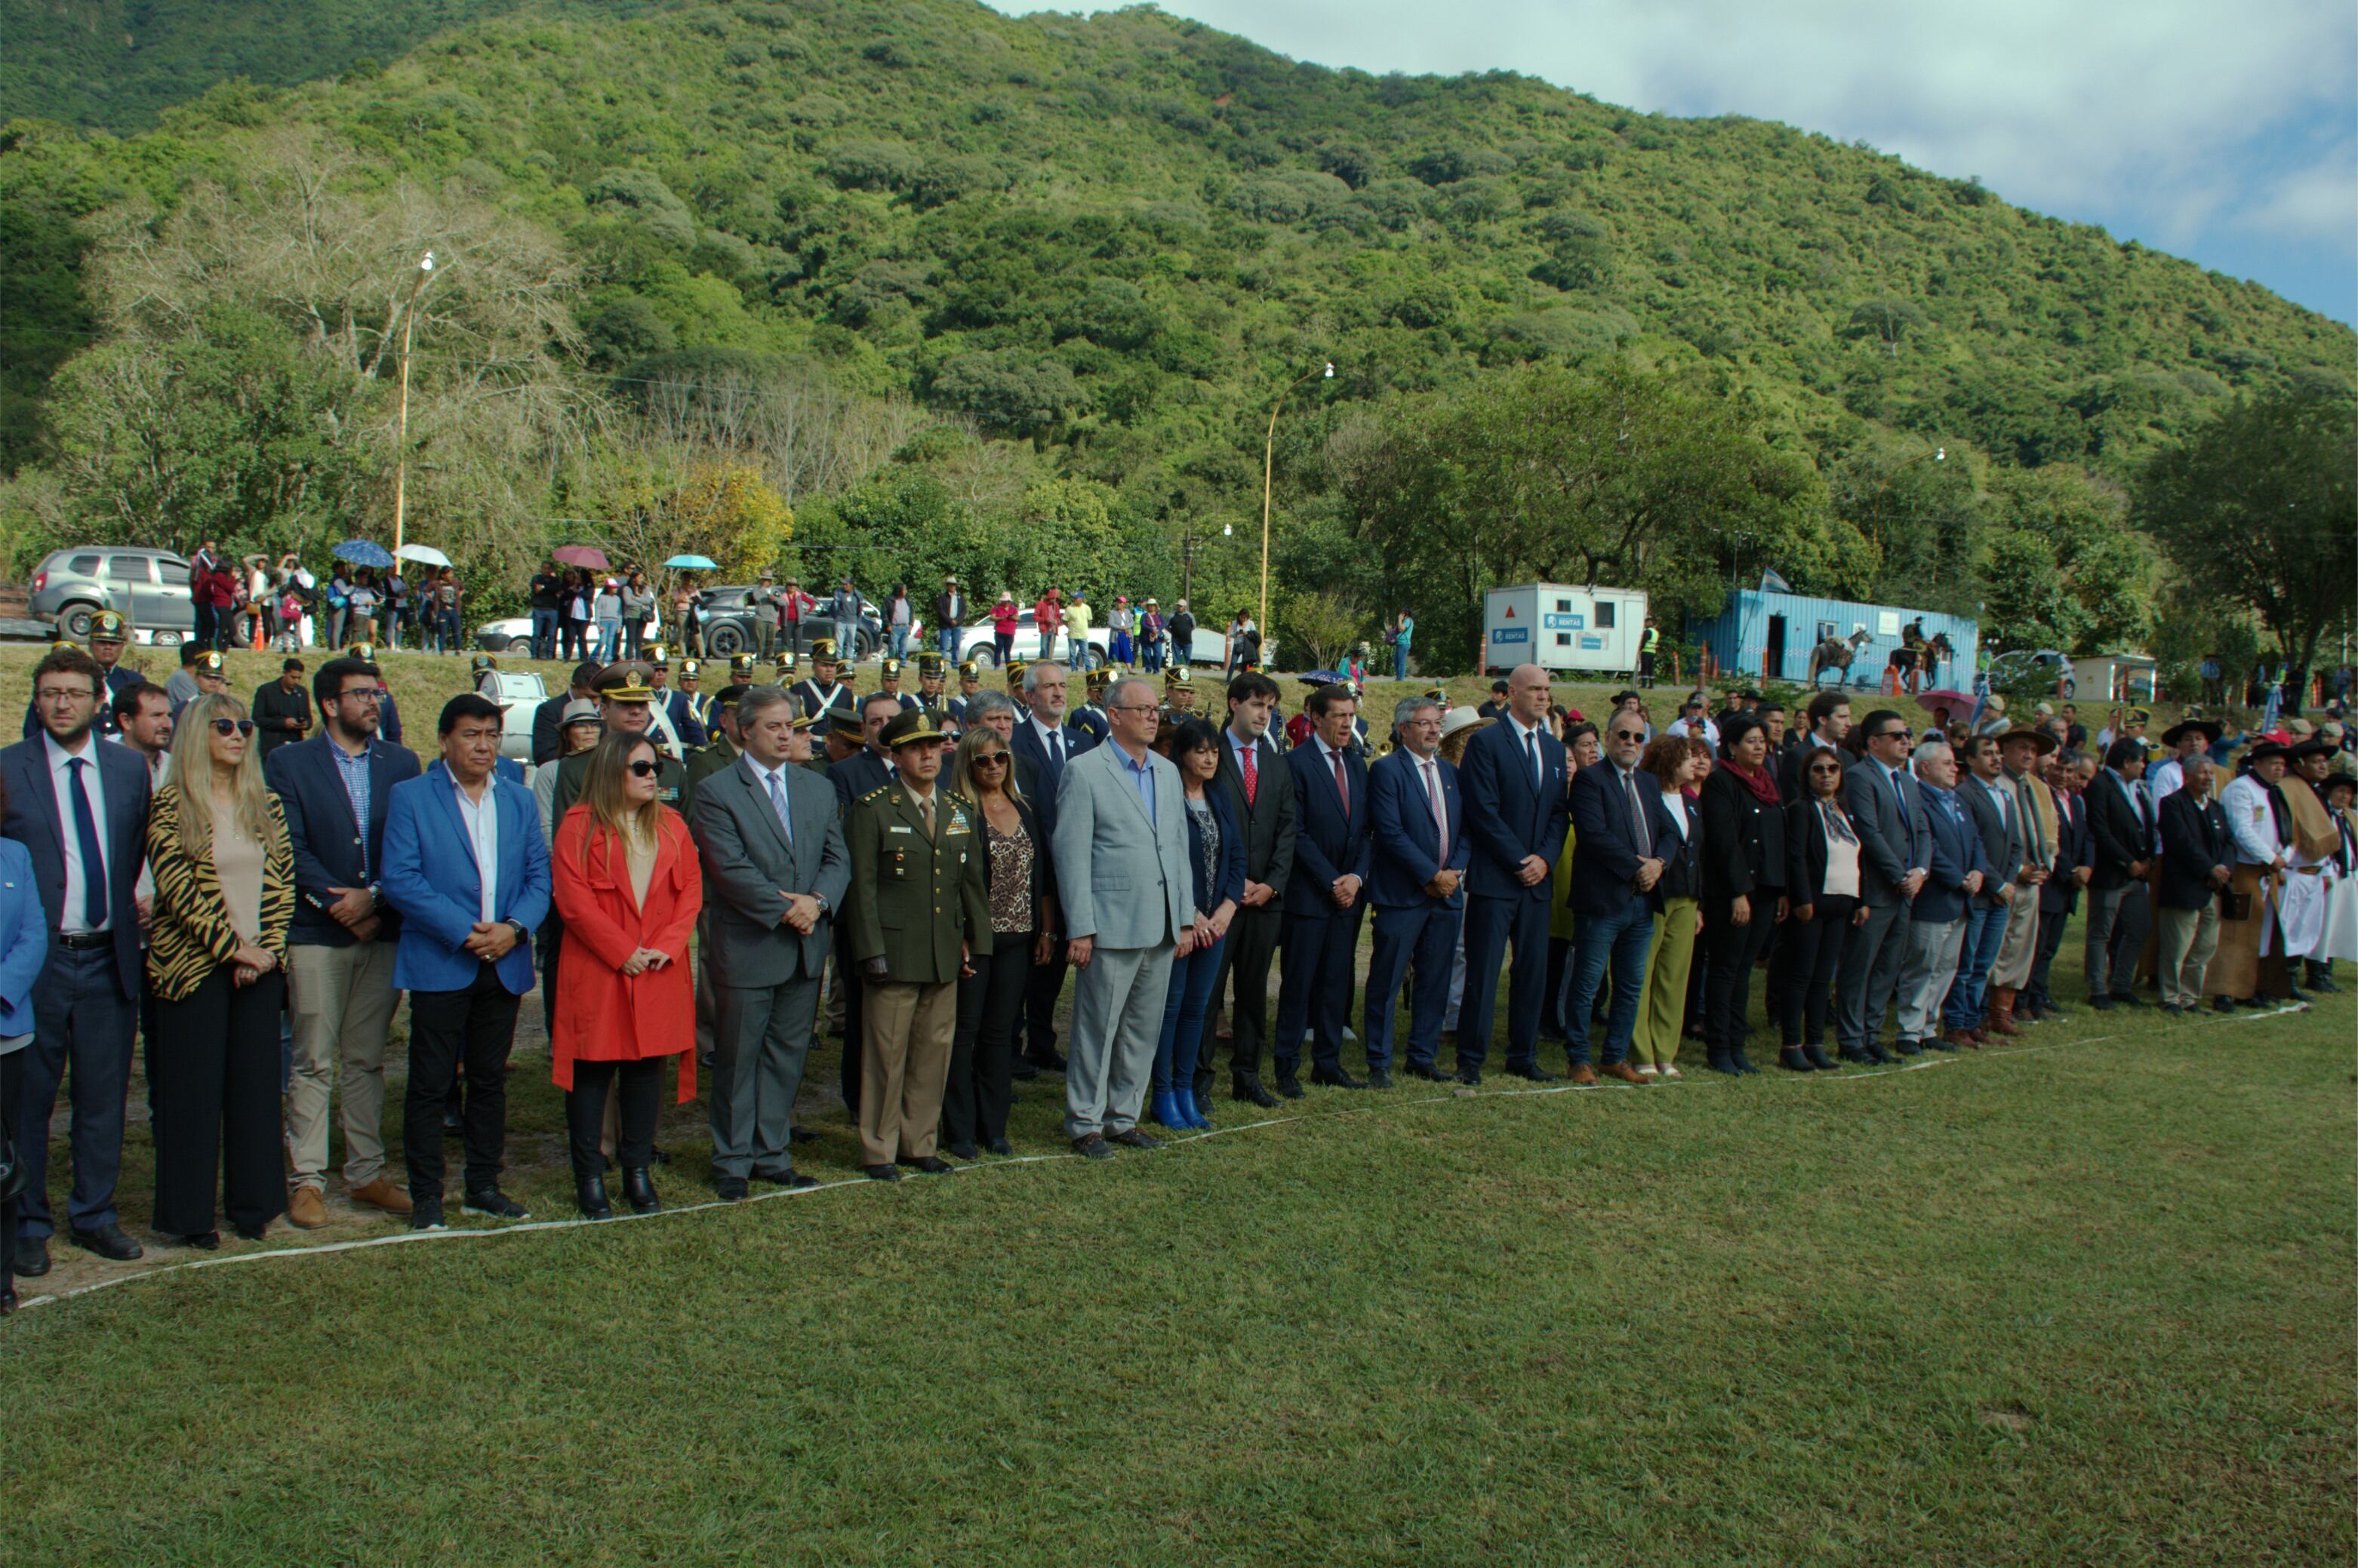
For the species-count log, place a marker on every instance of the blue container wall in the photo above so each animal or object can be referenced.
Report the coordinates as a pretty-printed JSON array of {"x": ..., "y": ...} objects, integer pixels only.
[{"x": 1739, "y": 637}]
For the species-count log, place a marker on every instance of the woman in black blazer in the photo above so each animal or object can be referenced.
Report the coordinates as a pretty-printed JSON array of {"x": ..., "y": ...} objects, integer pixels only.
[
  {"x": 1022, "y": 892},
  {"x": 1743, "y": 882},
  {"x": 1821, "y": 890},
  {"x": 1216, "y": 862}
]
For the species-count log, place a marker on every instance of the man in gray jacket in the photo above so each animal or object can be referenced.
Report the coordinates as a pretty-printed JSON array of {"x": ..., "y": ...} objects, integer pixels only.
[
  {"x": 776, "y": 871},
  {"x": 1129, "y": 910}
]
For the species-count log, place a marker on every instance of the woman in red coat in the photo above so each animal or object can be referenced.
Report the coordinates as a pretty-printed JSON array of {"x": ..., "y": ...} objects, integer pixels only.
[{"x": 627, "y": 881}]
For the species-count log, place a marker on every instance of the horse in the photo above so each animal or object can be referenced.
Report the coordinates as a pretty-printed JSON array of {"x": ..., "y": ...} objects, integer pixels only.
[{"x": 1835, "y": 654}]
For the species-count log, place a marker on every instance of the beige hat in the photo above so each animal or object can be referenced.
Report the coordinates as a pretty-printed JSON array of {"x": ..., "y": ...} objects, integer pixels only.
[
  {"x": 1997, "y": 703},
  {"x": 2301, "y": 726},
  {"x": 1458, "y": 719}
]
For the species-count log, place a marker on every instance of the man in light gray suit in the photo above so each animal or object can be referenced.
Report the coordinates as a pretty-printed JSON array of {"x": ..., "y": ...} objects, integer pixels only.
[
  {"x": 1128, "y": 909},
  {"x": 776, "y": 871}
]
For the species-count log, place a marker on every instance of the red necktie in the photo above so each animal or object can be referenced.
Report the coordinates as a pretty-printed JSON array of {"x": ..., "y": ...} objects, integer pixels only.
[
  {"x": 1341, "y": 787},
  {"x": 1252, "y": 774}
]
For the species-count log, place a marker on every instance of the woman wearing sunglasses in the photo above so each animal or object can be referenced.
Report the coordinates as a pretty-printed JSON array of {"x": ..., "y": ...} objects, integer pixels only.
[
  {"x": 1822, "y": 884},
  {"x": 216, "y": 947},
  {"x": 1020, "y": 888},
  {"x": 625, "y": 876}
]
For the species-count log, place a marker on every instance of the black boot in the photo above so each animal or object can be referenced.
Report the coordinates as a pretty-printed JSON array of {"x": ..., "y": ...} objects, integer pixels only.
[
  {"x": 1739, "y": 1061},
  {"x": 1792, "y": 1060},
  {"x": 640, "y": 1192},
  {"x": 589, "y": 1192},
  {"x": 1815, "y": 1055},
  {"x": 1719, "y": 1061}
]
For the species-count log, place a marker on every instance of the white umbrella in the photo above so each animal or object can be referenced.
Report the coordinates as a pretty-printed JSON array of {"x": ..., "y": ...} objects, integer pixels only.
[{"x": 424, "y": 553}]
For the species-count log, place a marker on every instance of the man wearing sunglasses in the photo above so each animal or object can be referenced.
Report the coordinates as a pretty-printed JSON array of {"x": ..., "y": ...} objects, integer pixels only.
[
  {"x": 1617, "y": 822},
  {"x": 1895, "y": 846},
  {"x": 337, "y": 790}
]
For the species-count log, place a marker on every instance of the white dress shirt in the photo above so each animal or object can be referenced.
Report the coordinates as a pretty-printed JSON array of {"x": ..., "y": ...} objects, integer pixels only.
[
  {"x": 69, "y": 840},
  {"x": 1521, "y": 729},
  {"x": 482, "y": 821}
]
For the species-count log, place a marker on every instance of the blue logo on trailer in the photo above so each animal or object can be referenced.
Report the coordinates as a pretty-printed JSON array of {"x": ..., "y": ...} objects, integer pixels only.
[
  {"x": 1567, "y": 622},
  {"x": 1597, "y": 643},
  {"x": 1511, "y": 635}
]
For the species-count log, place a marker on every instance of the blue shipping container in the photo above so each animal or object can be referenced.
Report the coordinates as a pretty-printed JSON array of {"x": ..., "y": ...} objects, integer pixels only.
[{"x": 1770, "y": 635}]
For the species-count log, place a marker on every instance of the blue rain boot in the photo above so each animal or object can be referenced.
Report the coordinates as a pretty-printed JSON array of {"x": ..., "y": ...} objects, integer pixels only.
[
  {"x": 1166, "y": 1110},
  {"x": 1189, "y": 1112}
]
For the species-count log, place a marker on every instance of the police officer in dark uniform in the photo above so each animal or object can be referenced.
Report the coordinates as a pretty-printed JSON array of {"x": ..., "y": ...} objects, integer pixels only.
[
  {"x": 718, "y": 751},
  {"x": 107, "y": 637},
  {"x": 970, "y": 683},
  {"x": 1090, "y": 718},
  {"x": 888, "y": 683},
  {"x": 787, "y": 668},
  {"x": 918, "y": 911},
  {"x": 1015, "y": 668},
  {"x": 929, "y": 696},
  {"x": 486, "y": 670},
  {"x": 822, "y": 690},
  {"x": 1178, "y": 692},
  {"x": 685, "y": 713}
]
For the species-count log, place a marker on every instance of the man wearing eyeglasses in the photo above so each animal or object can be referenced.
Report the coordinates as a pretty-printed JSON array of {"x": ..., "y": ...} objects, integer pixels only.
[
  {"x": 1895, "y": 846},
  {"x": 80, "y": 810},
  {"x": 1618, "y": 821},
  {"x": 337, "y": 789}
]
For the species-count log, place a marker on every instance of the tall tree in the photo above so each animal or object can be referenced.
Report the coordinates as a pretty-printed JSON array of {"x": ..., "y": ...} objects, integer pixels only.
[{"x": 2257, "y": 508}]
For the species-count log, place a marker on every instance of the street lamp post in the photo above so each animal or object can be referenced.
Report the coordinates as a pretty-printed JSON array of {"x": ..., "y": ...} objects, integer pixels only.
[
  {"x": 1267, "y": 470},
  {"x": 401, "y": 438}
]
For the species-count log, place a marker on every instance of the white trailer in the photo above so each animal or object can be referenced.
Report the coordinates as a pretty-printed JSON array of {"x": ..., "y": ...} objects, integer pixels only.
[{"x": 1560, "y": 628}]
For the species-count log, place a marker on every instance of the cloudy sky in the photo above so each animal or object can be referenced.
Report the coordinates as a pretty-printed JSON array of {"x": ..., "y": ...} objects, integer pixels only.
[{"x": 2225, "y": 133}]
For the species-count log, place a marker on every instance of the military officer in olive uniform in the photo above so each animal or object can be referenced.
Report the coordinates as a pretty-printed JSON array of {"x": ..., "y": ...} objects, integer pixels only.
[
  {"x": 822, "y": 690},
  {"x": 918, "y": 911},
  {"x": 625, "y": 703},
  {"x": 717, "y": 752}
]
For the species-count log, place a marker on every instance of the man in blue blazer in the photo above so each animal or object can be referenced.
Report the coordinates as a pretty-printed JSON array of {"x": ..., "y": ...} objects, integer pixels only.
[
  {"x": 1894, "y": 844},
  {"x": 80, "y": 807},
  {"x": 1325, "y": 899},
  {"x": 1617, "y": 820},
  {"x": 1513, "y": 778},
  {"x": 337, "y": 791},
  {"x": 466, "y": 868},
  {"x": 1955, "y": 870},
  {"x": 1416, "y": 881}
]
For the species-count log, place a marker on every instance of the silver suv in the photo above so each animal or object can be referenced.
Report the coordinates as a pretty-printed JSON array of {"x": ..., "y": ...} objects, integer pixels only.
[{"x": 148, "y": 588}]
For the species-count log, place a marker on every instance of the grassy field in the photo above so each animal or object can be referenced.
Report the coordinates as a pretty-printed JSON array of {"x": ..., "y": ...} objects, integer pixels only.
[{"x": 2089, "y": 1301}]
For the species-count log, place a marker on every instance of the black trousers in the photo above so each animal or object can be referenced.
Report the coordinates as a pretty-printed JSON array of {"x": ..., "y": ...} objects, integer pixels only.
[
  {"x": 982, "y": 1084},
  {"x": 585, "y": 1113},
  {"x": 2051, "y": 925},
  {"x": 1245, "y": 958},
  {"x": 216, "y": 1097},
  {"x": 12, "y": 1096},
  {"x": 1731, "y": 950},
  {"x": 1045, "y": 984},
  {"x": 476, "y": 1024},
  {"x": 1808, "y": 953}
]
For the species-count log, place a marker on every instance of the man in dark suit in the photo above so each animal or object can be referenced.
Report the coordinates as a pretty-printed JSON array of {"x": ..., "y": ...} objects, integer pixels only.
[
  {"x": 1997, "y": 820},
  {"x": 1513, "y": 779},
  {"x": 2198, "y": 861},
  {"x": 1416, "y": 882},
  {"x": 2121, "y": 822},
  {"x": 1617, "y": 820},
  {"x": 1045, "y": 739},
  {"x": 775, "y": 877},
  {"x": 1955, "y": 870},
  {"x": 1324, "y": 900},
  {"x": 80, "y": 807},
  {"x": 1894, "y": 846},
  {"x": 1260, "y": 798},
  {"x": 336, "y": 790},
  {"x": 2065, "y": 776}
]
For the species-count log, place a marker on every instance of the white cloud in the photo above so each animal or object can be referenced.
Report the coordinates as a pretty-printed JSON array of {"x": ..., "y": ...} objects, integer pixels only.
[{"x": 2164, "y": 118}]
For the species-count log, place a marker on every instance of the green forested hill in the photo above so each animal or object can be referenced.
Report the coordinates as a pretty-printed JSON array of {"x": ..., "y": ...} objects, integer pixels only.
[{"x": 1099, "y": 247}]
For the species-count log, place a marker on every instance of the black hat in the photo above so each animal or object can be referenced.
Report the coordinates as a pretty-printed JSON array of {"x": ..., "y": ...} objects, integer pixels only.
[
  {"x": 741, "y": 668},
  {"x": 2315, "y": 746},
  {"x": 848, "y": 722},
  {"x": 909, "y": 727},
  {"x": 889, "y": 668},
  {"x": 486, "y": 661},
  {"x": 209, "y": 662},
  {"x": 929, "y": 663},
  {"x": 108, "y": 627},
  {"x": 2209, "y": 728},
  {"x": 2263, "y": 750}
]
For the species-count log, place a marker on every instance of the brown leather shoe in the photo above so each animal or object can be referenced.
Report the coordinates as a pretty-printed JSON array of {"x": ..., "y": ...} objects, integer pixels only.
[
  {"x": 1962, "y": 1039},
  {"x": 1582, "y": 1076},
  {"x": 1625, "y": 1072},
  {"x": 381, "y": 1193},
  {"x": 2001, "y": 1012},
  {"x": 304, "y": 1209}
]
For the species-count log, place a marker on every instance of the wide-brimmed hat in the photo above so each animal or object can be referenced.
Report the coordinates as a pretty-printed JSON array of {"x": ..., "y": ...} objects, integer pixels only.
[
  {"x": 2315, "y": 746},
  {"x": 1458, "y": 719},
  {"x": 578, "y": 710},
  {"x": 2043, "y": 740},
  {"x": 2262, "y": 749},
  {"x": 2209, "y": 728}
]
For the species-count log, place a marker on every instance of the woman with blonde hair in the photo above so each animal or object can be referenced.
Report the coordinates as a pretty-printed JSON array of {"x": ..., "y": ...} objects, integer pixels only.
[
  {"x": 624, "y": 874},
  {"x": 1020, "y": 888},
  {"x": 216, "y": 947}
]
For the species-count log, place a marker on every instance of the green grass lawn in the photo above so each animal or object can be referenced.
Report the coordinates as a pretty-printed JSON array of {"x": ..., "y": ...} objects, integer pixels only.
[{"x": 2088, "y": 1301}]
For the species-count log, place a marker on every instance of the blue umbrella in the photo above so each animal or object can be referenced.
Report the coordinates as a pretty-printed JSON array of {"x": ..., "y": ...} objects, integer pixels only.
[
  {"x": 693, "y": 564},
  {"x": 363, "y": 552}
]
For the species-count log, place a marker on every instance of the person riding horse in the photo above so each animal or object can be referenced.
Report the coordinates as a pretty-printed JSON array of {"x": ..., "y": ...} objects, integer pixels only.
[{"x": 1835, "y": 654}]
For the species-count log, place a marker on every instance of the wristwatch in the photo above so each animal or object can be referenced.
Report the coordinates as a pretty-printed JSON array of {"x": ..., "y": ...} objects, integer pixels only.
[{"x": 517, "y": 927}]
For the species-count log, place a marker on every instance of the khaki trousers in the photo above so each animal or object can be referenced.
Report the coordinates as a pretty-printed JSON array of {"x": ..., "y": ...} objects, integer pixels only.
[
  {"x": 2186, "y": 938},
  {"x": 2019, "y": 945},
  {"x": 342, "y": 1000},
  {"x": 904, "y": 1061}
]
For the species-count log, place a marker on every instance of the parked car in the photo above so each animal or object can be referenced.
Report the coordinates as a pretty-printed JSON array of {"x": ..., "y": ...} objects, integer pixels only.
[
  {"x": 1210, "y": 645},
  {"x": 2048, "y": 669},
  {"x": 148, "y": 588},
  {"x": 512, "y": 635},
  {"x": 730, "y": 627}
]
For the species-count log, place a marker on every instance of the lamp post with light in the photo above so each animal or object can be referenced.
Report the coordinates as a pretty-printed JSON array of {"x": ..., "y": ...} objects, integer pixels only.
[
  {"x": 401, "y": 438},
  {"x": 1268, "y": 470}
]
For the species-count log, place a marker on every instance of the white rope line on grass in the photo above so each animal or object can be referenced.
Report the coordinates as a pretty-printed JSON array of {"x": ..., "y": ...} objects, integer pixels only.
[{"x": 406, "y": 1237}]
